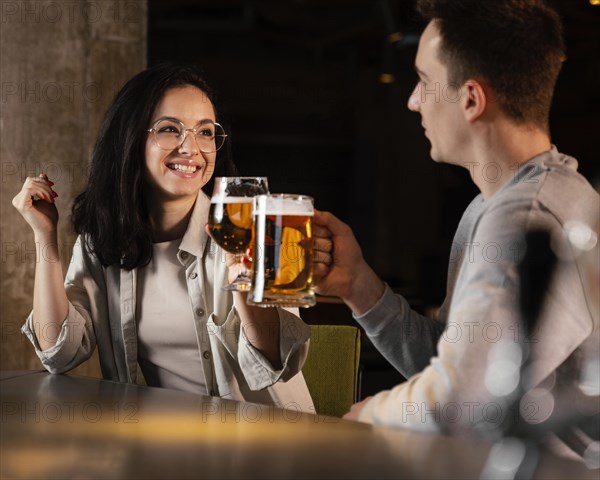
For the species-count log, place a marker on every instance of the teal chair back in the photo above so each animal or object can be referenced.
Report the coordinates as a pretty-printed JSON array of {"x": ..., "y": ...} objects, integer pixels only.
[{"x": 331, "y": 370}]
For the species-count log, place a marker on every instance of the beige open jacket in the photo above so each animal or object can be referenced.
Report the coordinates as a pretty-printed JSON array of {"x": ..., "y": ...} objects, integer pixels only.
[{"x": 102, "y": 314}]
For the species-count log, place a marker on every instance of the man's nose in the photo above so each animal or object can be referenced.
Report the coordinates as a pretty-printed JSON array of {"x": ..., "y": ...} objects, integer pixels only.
[{"x": 414, "y": 103}]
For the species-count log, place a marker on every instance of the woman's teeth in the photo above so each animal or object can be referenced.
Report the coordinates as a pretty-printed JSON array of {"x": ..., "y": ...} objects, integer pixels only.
[{"x": 183, "y": 168}]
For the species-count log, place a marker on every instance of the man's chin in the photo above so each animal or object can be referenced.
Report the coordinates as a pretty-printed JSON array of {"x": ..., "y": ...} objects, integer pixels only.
[{"x": 435, "y": 156}]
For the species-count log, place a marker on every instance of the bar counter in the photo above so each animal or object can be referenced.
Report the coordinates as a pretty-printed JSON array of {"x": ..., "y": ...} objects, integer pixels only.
[{"x": 63, "y": 426}]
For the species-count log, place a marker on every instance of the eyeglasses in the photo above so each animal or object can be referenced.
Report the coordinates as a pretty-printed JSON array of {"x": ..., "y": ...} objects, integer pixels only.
[{"x": 170, "y": 134}]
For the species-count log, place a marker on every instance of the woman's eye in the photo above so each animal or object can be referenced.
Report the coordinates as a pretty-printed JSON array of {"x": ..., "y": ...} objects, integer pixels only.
[
  {"x": 169, "y": 129},
  {"x": 206, "y": 132}
]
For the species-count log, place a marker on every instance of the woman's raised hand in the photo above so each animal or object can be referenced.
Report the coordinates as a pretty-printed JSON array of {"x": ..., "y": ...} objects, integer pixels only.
[{"x": 35, "y": 202}]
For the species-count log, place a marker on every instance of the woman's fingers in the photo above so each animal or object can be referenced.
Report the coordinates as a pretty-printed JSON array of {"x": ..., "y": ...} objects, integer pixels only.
[
  {"x": 42, "y": 181},
  {"x": 35, "y": 202},
  {"x": 38, "y": 188}
]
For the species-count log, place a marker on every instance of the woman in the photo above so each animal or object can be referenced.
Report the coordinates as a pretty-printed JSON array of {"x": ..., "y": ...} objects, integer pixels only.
[{"x": 144, "y": 282}]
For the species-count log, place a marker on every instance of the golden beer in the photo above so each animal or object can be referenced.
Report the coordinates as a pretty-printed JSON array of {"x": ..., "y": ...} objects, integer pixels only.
[
  {"x": 282, "y": 249},
  {"x": 230, "y": 222}
]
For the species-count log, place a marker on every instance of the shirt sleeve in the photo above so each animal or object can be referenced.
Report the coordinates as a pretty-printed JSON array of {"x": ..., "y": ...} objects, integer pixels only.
[
  {"x": 404, "y": 337},
  {"x": 73, "y": 346},
  {"x": 294, "y": 337}
]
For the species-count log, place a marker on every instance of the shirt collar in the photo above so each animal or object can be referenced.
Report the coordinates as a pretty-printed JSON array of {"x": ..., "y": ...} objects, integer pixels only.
[
  {"x": 529, "y": 170},
  {"x": 195, "y": 237}
]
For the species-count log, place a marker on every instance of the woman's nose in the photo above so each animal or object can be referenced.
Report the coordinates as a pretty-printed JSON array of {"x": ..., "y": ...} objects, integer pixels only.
[{"x": 189, "y": 145}]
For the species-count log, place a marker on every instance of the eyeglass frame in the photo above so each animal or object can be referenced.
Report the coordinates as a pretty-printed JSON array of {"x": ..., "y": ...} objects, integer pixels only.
[{"x": 185, "y": 132}]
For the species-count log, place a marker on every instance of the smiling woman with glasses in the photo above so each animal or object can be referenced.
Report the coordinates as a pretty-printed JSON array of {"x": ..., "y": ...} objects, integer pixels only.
[{"x": 144, "y": 282}]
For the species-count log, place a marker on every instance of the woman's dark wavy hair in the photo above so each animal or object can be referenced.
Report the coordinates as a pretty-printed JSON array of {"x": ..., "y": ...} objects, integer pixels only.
[{"x": 110, "y": 214}]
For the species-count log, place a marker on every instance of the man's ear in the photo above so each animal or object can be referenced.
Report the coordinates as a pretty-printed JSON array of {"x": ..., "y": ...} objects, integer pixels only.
[{"x": 475, "y": 100}]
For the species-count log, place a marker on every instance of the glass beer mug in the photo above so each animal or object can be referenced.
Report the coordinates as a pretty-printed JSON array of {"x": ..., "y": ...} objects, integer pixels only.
[
  {"x": 282, "y": 251},
  {"x": 230, "y": 219}
]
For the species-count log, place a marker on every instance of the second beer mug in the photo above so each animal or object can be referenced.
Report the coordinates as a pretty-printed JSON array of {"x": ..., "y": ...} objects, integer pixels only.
[{"x": 282, "y": 251}]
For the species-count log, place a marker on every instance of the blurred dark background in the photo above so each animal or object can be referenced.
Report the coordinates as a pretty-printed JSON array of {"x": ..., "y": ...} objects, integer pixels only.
[{"x": 313, "y": 94}]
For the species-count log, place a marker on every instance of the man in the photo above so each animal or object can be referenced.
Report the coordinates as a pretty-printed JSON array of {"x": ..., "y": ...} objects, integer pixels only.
[{"x": 496, "y": 63}]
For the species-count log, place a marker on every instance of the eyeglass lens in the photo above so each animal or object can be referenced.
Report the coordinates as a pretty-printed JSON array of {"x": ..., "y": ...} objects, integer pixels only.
[{"x": 170, "y": 134}]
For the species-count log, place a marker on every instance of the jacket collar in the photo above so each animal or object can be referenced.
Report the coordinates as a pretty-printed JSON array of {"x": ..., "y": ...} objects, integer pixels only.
[{"x": 195, "y": 238}]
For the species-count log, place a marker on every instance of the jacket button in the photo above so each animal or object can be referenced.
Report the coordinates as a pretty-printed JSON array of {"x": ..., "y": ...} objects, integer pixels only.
[
  {"x": 193, "y": 275},
  {"x": 199, "y": 312},
  {"x": 184, "y": 255},
  {"x": 206, "y": 354}
]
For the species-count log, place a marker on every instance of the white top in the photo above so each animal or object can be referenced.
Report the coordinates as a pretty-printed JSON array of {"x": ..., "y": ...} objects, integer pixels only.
[{"x": 168, "y": 350}]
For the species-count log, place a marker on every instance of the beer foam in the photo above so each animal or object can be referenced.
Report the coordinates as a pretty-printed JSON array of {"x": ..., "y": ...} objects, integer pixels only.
[
  {"x": 225, "y": 200},
  {"x": 290, "y": 209},
  {"x": 289, "y": 213},
  {"x": 283, "y": 204}
]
